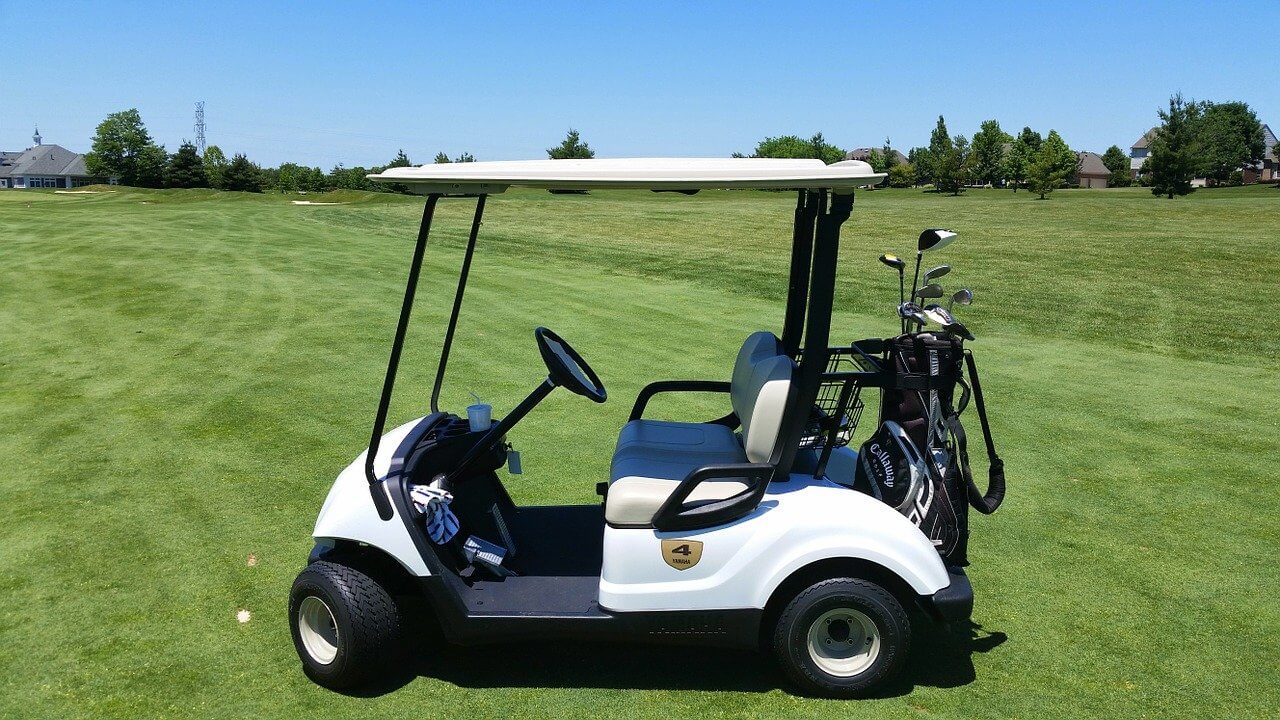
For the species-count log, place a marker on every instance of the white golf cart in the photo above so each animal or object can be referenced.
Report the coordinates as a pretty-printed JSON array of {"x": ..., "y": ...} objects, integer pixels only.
[{"x": 739, "y": 532}]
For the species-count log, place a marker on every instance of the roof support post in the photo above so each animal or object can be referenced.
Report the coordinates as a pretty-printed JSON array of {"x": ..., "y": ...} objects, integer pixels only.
[
  {"x": 801, "y": 257},
  {"x": 813, "y": 358},
  {"x": 380, "y": 499},
  {"x": 457, "y": 304}
]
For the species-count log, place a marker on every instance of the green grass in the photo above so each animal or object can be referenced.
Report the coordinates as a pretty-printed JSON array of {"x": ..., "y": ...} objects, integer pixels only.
[{"x": 183, "y": 373}]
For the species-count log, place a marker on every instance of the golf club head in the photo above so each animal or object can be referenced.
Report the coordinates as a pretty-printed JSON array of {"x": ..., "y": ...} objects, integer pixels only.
[
  {"x": 958, "y": 328},
  {"x": 934, "y": 239},
  {"x": 930, "y": 291},
  {"x": 911, "y": 311},
  {"x": 936, "y": 273},
  {"x": 938, "y": 315},
  {"x": 963, "y": 296},
  {"x": 893, "y": 261}
]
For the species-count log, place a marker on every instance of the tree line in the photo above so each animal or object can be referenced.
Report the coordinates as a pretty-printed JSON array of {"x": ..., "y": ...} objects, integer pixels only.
[{"x": 123, "y": 149}]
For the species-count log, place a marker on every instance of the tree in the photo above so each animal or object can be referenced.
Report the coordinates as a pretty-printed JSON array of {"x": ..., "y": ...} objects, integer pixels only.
[
  {"x": 123, "y": 149},
  {"x": 215, "y": 166},
  {"x": 1118, "y": 163},
  {"x": 400, "y": 160},
  {"x": 466, "y": 157},
  {"x": 1228, "y": 137},
  {"x": 186, "y": 169},
  {"x": 793, "y": 146},
  {"x": 571, "y": 147},
  {"x": 1045, "y": 173},
  {"x": 442, "y": 158},
  {"x": 947, "y": 162},
  {"x": 1021, "y": 155},
  {"x": 922, "y": 165},
  {"x": 988, "y": 153},
  {"x": 901, "y": 176},
  {"x": 243, "y": 175},
  {"x": 876, "y": 160},
  {"x": 1065, "y": 161},
  {"x": 1171, "y": 163},
  {"x": 890, "y": 157}
]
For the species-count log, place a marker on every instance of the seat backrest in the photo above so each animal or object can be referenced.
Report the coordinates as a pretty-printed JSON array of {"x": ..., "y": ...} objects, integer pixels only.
[{"x": 761, "y": 380}]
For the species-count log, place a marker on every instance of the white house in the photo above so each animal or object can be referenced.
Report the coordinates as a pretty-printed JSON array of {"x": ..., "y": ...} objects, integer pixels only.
[{"x": 43, "y": 166}]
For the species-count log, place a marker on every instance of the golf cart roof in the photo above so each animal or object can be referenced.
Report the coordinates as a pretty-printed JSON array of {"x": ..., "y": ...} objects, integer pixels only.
[{"x": 671, "y": 174}]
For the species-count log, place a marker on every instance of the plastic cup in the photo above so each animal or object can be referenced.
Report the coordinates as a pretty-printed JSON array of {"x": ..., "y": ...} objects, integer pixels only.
[{"x": 480, "y": 416}]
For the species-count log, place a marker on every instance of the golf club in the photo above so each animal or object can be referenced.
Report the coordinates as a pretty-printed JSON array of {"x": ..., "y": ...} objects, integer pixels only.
[
  {"x": 910, "y": 311},
  {"x": 930, "y": 240},
  {"x": 929, "y": 292},
  {"x": 964, "y": 296},
  {"x": 898, "y": 264},
  {"x": 938, "y": 315},
  {"x": 935, "y": 273}
]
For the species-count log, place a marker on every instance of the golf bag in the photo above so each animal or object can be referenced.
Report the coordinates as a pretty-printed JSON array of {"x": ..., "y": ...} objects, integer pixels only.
[{"x": 917, "y": 460}]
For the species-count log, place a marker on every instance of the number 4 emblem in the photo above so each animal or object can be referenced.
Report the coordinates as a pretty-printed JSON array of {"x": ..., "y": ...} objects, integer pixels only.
[{"x": 681, "y": 554}]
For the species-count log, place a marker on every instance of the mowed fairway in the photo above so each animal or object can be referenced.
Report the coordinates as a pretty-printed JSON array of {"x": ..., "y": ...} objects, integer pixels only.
[{"x": 184, "y": 372}]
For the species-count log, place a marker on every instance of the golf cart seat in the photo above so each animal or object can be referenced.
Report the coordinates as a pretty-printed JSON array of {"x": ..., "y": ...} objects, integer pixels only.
[{"x": 653, "y": 456}]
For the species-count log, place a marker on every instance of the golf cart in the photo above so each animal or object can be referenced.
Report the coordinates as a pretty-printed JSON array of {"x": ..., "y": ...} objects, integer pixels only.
[{"x": 742, "y": 531}]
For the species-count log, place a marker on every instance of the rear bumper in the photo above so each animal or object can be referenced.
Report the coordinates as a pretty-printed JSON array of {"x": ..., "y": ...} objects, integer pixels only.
[{"x": 953, "y": 602}]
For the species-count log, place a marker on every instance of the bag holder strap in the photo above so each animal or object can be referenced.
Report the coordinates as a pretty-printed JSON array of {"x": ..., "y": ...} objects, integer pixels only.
[{"x": 988, "y": 503}]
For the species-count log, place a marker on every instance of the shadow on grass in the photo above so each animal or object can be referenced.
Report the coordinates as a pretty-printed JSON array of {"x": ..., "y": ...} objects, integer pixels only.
[{"x": 941, "y": 657}]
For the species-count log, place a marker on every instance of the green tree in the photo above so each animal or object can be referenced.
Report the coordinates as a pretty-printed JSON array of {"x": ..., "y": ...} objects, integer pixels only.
[
  {"x": 876, "y": 160},
  {"x": 400, "y": 160},
  {"x": 1046, "y": 171},
  {"x": 1228, "y": 137},
  {"x": 1065, "y": 161},
  {"x": 243, "y": 175},
  {"x": 1118, "y": 163},
  {"x": 1021, "y": 155},
  {"x": 215, "y": 166},
  {"x": 989, "y": 153},
  {"x": 441, "y": 158},
  {"x": 794, "y": 146},
  {"x": 571, "y": 147},
  {"x": 1172, "y": 164},
  {"x": 186, "y": 169},
  {"x": 947, "y": 162},
  {"x": 123, "y": 149},
  {"x": 922, "y": 165},
  {"x": 465, "y": 157},
  {"x": 890, "y": 157},
  {"x": 902, "y": 175}
]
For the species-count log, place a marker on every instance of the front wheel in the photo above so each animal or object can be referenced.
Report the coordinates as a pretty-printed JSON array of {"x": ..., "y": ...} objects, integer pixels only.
[
  {"x": 346, "y": 627},
  {"x": 842, "y": 637}
]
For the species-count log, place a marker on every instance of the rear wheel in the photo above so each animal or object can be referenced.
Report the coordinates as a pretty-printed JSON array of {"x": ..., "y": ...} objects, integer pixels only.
[
  {"x": 842, "y": 637},
  {"x": 346, "y": 627}
]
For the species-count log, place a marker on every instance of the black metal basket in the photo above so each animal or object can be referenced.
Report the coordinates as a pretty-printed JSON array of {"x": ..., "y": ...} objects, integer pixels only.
[{"x": 839, "y": 405}]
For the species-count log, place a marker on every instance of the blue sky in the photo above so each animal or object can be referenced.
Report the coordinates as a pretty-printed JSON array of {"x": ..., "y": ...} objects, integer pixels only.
[{"x": 322, "y": 83}]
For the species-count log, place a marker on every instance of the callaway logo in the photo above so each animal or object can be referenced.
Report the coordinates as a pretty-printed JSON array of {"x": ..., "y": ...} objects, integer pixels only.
[{"x": 882, "y": 457}]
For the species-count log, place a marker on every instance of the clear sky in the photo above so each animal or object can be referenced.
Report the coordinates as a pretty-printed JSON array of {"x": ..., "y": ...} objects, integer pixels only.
[{"x": 321, "y": 83}]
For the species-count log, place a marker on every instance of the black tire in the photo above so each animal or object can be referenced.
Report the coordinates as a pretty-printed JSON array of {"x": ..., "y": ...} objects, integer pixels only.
[
  {"x": 367, "y": 622},
  {"x": 831, "y": 615}
]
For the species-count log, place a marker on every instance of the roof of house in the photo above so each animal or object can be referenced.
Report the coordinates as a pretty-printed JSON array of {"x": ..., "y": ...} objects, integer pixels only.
[
  {"x": 1145, "y": 140},
  {"x": 1091, "y": 164},
  {"x": 1271, "y": 143},
  {"x": 864, "y": 153},
  {"x": 45, "y": 160}
]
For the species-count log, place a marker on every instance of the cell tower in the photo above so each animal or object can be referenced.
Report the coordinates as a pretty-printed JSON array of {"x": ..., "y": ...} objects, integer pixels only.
[{"x": 200, "y": 126}]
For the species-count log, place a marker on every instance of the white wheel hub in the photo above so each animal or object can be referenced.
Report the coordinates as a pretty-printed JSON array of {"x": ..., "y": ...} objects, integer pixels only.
[
  {"x": 844, "y": 642},
  {"x": 318, "y": 630}
]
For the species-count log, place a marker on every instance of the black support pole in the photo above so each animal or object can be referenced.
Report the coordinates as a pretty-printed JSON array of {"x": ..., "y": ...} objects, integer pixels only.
[
  {"x": 807, "y": 203},
  {"x": 457, "y": 304},
  {"x": 376, "y": 491},
  {"x": 813, "y": 361}
]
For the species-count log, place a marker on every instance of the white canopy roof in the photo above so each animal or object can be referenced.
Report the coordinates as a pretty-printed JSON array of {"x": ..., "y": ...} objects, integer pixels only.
[{"x": 632, "y": 173}]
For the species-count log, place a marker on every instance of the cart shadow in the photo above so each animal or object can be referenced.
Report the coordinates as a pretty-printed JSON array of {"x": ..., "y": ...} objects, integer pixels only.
[{"x": 942, "y": 658}]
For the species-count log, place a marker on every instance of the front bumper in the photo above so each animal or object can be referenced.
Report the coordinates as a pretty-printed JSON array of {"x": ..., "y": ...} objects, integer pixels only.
[{"x": 953, "y": 602}]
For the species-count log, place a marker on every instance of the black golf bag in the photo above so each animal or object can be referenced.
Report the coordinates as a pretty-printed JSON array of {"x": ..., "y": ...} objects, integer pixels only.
[{"x": 917, "y": 460}]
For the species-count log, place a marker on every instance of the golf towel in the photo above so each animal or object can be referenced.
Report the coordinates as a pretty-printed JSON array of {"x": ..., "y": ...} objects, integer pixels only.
[{"x": 441, "y": 523}]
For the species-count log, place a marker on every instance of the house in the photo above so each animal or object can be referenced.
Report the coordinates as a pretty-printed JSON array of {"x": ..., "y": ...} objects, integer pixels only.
[
  {"x": 1093, "y": 173},
  {"x": 1140, "y": 151},
  {"x": 43, "y": 166},
  {"x": 864, "y": 153}
]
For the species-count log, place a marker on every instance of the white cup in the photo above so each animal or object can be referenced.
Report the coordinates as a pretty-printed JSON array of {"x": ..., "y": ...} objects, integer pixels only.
[{"x": 480, "y": 416}]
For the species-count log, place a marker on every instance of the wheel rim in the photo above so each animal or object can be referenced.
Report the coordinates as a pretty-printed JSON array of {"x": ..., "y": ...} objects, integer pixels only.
[
  {"x": 318, "y": 630},
  {"x": 843, "y": 642}
]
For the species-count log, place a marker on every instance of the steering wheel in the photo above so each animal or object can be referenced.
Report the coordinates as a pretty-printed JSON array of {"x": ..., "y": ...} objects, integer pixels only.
[{"x": 566, "y": 368}]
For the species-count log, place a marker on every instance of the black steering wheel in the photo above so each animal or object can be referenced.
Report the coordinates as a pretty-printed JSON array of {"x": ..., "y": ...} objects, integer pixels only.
[{"x": 566, "y": 368}]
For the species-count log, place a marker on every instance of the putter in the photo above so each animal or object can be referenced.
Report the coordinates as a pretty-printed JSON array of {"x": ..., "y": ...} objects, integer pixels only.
[
  {"x": 964, "y": 296},
  {"x": 930, "y": 240},
  {"x": 898, "y": 264}
]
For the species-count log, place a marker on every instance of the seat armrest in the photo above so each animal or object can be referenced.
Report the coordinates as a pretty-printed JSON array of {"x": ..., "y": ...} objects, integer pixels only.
[
  {"x": 666, "y": 386},
  {"x": 675, "y": 514}
]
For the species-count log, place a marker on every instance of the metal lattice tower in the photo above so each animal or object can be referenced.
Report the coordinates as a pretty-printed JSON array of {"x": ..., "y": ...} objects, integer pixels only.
[{"x": 200, "y": 126}]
